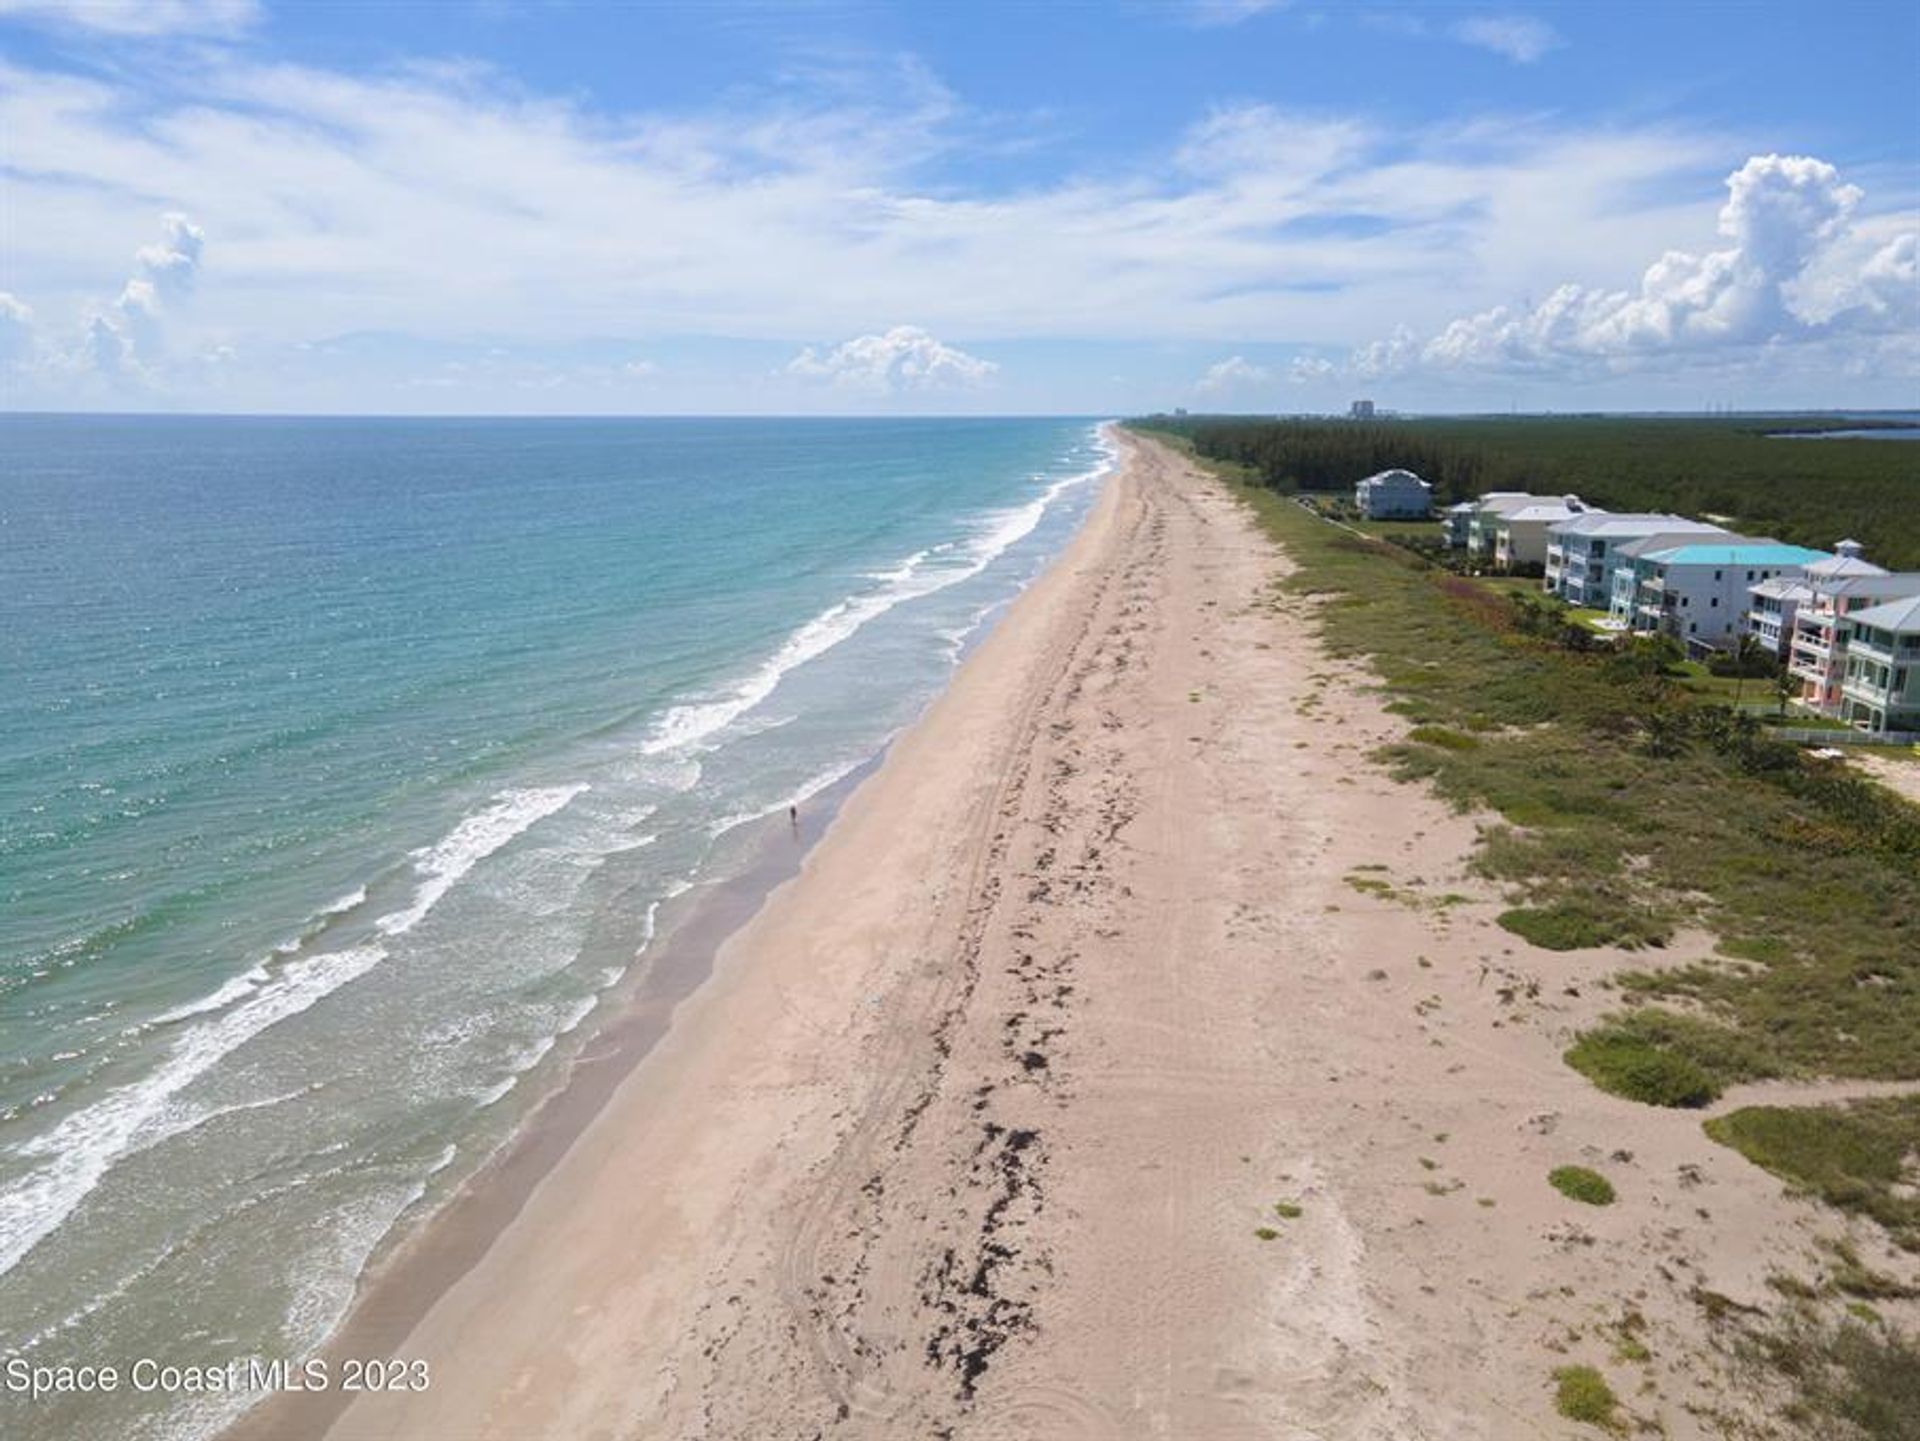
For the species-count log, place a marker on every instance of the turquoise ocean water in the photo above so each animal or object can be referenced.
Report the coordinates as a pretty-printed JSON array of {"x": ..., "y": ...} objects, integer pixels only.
[{"x": 344, "y": 766}]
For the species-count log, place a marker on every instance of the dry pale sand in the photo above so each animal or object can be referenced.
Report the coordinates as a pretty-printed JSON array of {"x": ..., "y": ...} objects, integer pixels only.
[
  {"x": 1900, "y": 774},
  {"x": 972, "y": 1132}
]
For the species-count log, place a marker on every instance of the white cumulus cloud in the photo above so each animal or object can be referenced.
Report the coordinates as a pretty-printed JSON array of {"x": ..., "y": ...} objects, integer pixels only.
[
  {"x": 16, "y": 329},
  {"x": 1795, "y": 270},
  {"x": 170, "y": 266},
  {"x": 1521, "y": 38},
  {"x": 1236, "y": 372},
  {"x": 900, "y": 360},
  {"x": 127, "y": 336}
]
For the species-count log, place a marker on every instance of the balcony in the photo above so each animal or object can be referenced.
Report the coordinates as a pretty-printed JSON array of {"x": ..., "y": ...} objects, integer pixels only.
[
  {"x": 1867, "y": 692},
  {"x": 1868, "y": 650}
]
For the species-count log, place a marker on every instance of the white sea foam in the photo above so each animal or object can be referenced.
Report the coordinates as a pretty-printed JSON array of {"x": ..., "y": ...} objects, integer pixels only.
[
  {"x": 582, "y": 1008},
  {"x": 319, "y": 920},
  {"x": 488, "y": 1095},
  {"x": 166, "y": 1127},
  {"x": 84, "y": 1147},
  {"x": 325, "y": 1283},
  {"x": 247, "y": 982},
  {"x": 440, "y": 866},
  {"x": 219, "y": 999},
  {"x": 920, "y": 574}
]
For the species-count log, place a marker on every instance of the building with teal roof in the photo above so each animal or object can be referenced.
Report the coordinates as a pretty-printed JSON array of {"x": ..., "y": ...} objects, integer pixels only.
[{"x": 1697, "y": 591}]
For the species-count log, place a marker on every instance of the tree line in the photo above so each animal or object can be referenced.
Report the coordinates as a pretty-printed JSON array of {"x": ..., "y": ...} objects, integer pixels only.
[{"x": 1809, "y": 492}]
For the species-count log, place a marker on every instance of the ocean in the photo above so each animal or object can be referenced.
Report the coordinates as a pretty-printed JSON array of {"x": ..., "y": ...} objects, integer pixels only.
[{"x": 345, "y": 767}]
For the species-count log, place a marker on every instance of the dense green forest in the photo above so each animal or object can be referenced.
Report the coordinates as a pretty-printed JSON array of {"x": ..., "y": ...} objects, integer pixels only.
[{"x": 1811, "y": 492}]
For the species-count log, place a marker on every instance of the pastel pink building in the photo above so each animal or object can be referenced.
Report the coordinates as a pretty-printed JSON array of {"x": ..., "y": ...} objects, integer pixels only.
[{"x": 1835, "y": 590}]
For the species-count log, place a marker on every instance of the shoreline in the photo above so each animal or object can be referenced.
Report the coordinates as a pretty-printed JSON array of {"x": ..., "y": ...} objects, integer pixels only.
[{"x": 446, "y": 1244}]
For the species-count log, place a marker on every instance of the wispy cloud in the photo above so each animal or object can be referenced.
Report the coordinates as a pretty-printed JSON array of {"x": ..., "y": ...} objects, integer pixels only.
[
  {"x": 1521, "y": 38},
  {"x": 1211, "y": 13},
  {"x": 138, "y": 17},
  {"x": 448, "y": 207}
]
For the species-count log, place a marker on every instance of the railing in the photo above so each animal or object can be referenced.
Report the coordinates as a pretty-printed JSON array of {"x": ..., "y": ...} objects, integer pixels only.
[{"x": 1805, "y": 735}]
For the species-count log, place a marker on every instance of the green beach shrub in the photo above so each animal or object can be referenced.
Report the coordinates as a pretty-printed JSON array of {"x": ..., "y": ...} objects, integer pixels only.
[
  {"x": 1580, "y": 1184},
  {"x": 1582, "y": 1394},
  {"x": 1853, "y": 1157},
  {"x": 1583, "y": 924},
  {"x": 1624, "y": 1063},
  {"x": 1443, "y": 737}
]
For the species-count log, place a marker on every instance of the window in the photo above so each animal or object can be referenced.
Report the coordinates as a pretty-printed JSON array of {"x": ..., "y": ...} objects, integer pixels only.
[{"x": 1718, "y": 576}]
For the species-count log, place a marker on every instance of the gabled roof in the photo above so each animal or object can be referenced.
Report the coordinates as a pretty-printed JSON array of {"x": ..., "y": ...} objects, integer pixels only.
[
  {"x": 1549, "y": 511},
  {"x": 1882, "y": 586},
  {"x": 1395, "y": 477},
  {"x": 1783, "y": 587},
  {"x": 1609, "y": 522},
  {"x": 1895, "y": 615},
  {"x": 1844, "y": 565}
]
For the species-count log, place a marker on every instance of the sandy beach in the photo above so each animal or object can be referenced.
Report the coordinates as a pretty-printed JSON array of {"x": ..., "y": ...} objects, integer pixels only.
[{"x": 1131, "y": 1058}]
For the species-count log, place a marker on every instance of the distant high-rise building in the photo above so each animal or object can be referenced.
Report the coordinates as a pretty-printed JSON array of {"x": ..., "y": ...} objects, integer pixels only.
[{"x": 1362, "y": 410}]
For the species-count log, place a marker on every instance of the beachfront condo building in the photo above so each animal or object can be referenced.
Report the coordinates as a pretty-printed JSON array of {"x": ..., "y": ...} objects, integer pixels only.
[
  {"x": 1583, "y": 551},
  {"x": 1520, "y": 536},
  {"x": 1483, "y": 521},
  {"x": 1455, "y": 522},
  {"x": 1698, "y": 591},
  {"x": 1817, "y": 655},
  {"x": 1881, "y": 687},
  {"x": 1394, "y": 495},
  {"x": 1772, "y": 607},
  {"x": 1631, "y": 567}
]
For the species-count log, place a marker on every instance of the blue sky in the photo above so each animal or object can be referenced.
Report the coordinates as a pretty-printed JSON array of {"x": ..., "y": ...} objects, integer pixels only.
[{"x": 846, "y": 207}]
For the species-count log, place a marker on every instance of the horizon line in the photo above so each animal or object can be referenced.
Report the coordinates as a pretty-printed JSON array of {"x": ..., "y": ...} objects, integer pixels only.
[{"x": 1185, "y": 414}]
